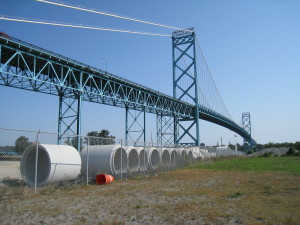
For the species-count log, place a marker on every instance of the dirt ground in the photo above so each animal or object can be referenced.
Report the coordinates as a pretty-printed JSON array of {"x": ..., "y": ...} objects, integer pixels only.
[{"x": 175, "y": 197}]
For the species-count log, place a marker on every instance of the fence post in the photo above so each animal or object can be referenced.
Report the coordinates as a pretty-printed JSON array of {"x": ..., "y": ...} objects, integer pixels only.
[
  {"x": 87, "y": 161},
  {"x": 121, "y": 159},
  {"x": 145, "y": 166},
  {"x": 36, "y": 160},
  {"x": 161, "y": 165},
  {"x": 174, "y": 151}
]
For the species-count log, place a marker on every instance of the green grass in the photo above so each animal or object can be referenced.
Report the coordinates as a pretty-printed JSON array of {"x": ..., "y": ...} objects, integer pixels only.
[{"x": 280, "y": 164}]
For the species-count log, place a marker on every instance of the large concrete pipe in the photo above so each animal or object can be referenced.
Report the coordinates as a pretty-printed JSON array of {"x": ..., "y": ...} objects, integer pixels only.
[
  {"x": 189, "y": 155},
  {"x": 174, "y": 158},
  {"x": 54, "y": 163},
  {"x": 143, "y": 159},
  {"x": 154, "y": 158},
  {"x": 105, "y": 159},
  {"x": 165, "y": 158},
  {"x": 204, "y": 152},
  {"x": 196, "y": 153},
  {"x": 183, "y": 157},
  {"x": 132, "y": 158},
  {"x": 183, "y": 154}
]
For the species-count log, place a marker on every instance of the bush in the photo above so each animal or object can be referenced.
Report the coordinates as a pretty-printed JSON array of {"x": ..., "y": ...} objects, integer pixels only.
[
  {"x": 292, "y": 152},
  {"x": 267, "y": 154},
  {"x": 250, "y": 152}
]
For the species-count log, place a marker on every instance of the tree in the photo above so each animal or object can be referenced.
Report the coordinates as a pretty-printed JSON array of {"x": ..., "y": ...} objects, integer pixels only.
[
  {"x": 101, "y": 138},
  {"x": 21, "y": 144},
  {"x": 74, "y": 142},
  {"x": 231, "y": 146}
]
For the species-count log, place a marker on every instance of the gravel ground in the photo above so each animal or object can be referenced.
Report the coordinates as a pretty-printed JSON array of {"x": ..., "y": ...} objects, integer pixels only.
[{"x": 175, "y": 197}]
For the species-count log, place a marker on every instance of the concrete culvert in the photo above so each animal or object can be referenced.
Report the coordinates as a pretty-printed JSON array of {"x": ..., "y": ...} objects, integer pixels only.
[
  {"x": 165, "y": 158},
  {"x": 154, "y": 158},
  {"x": 132, "y": 158},
  {"x": 183, "y": 154},
  {"x": 143, "y": 159},
  {"x": 183, "y": 157},
  {"x": 204, "y": 153},
  {"x": 190, "y": 157},
  {"x": 174, "y": 158},
  {"x": 54, "y": 163},
  {"x": 105, "y": 159}
]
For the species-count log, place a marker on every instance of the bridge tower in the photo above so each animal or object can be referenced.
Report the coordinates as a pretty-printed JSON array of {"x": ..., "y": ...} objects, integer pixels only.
[
  {"x": 185, "y": 85},
  {"x": 246, "y": 120}
]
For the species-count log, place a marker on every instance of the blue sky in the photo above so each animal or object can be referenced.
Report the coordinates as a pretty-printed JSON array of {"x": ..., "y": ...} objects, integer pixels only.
[{"x": 252, "y": 48}]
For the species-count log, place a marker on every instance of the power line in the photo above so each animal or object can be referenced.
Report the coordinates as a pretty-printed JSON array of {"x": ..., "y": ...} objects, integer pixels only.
[
  {"x": 105, "y": 13},
  {"x": 77, "y": 26}
]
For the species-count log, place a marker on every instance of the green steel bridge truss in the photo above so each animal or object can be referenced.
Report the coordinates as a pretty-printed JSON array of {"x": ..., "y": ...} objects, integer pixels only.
[{"x": 29, "y": 67}]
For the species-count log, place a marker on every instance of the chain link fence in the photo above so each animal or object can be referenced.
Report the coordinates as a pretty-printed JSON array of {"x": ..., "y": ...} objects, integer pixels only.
[{"x": 35, "y": 159}]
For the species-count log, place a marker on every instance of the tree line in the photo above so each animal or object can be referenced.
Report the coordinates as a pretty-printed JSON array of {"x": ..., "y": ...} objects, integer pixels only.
[{"x": 102, "y": 137}]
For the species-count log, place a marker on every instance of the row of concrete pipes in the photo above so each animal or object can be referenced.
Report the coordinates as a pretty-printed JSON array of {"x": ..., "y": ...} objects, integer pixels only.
[{"x": 45, "y": 164}]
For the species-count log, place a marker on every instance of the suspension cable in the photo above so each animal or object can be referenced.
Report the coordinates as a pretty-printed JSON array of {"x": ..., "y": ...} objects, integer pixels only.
[
  {"x": 16, "y": 19},
  {"x": 105, "y": 13}
]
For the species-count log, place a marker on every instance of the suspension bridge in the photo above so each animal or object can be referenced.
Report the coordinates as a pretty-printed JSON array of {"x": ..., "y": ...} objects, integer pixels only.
[{"x": 195, "y": 96}]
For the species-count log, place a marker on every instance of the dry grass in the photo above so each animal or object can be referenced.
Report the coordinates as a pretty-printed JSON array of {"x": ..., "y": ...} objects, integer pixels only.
[{"x": 176, "y": 197}]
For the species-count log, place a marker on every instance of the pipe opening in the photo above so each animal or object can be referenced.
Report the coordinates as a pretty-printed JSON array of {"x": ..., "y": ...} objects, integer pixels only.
[
  {"x": 119, "y": 167},
  {"x": 28, "y": 165},
  {"x": 133, "y": 160},
  {"x": 174, "y": 158},
  {"x": 154, "y": 159},
  {"x": 143, "y": 159},
  {"x": 165, "y": 158}
]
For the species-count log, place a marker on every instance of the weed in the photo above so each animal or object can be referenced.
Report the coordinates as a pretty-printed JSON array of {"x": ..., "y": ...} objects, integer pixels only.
[
  {"x": 11, "y": 192},
  {"x": 137, "y": 207},
  {"x": 47, "y": 190},
  {"x": 235, "y": 195},
  {"x": 267, "y": 189},
  {"x": 293, "y": 188}
]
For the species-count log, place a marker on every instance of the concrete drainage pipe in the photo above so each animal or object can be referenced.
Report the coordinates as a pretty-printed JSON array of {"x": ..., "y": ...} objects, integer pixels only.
[
  {"x": 165, "y": 158},
  {"x": 190, "y": 157},
  {"x": 174, "y": 158},
  {"x": 132, "y": 158},
  {"x": 105, "y": 159},
  {"x": 183, "y": 157},
  {"x": 54, "y": 163},
  {"x": 154, "y": 158},
  {"x": 143, "y": 159}
]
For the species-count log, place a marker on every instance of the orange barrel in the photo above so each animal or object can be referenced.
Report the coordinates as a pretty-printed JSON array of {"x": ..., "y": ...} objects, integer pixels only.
[{"x": 104, "y": 179}]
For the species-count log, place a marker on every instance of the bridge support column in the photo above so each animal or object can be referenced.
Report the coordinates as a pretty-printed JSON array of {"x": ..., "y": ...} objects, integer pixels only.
[
  {"x": 69, "y": 121},
  {"x": 165, "y": 130},
  {"x": 246, "y": 120},
  {"x": 135, "y": 126},
  {"x": 185, "y": 85}
]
